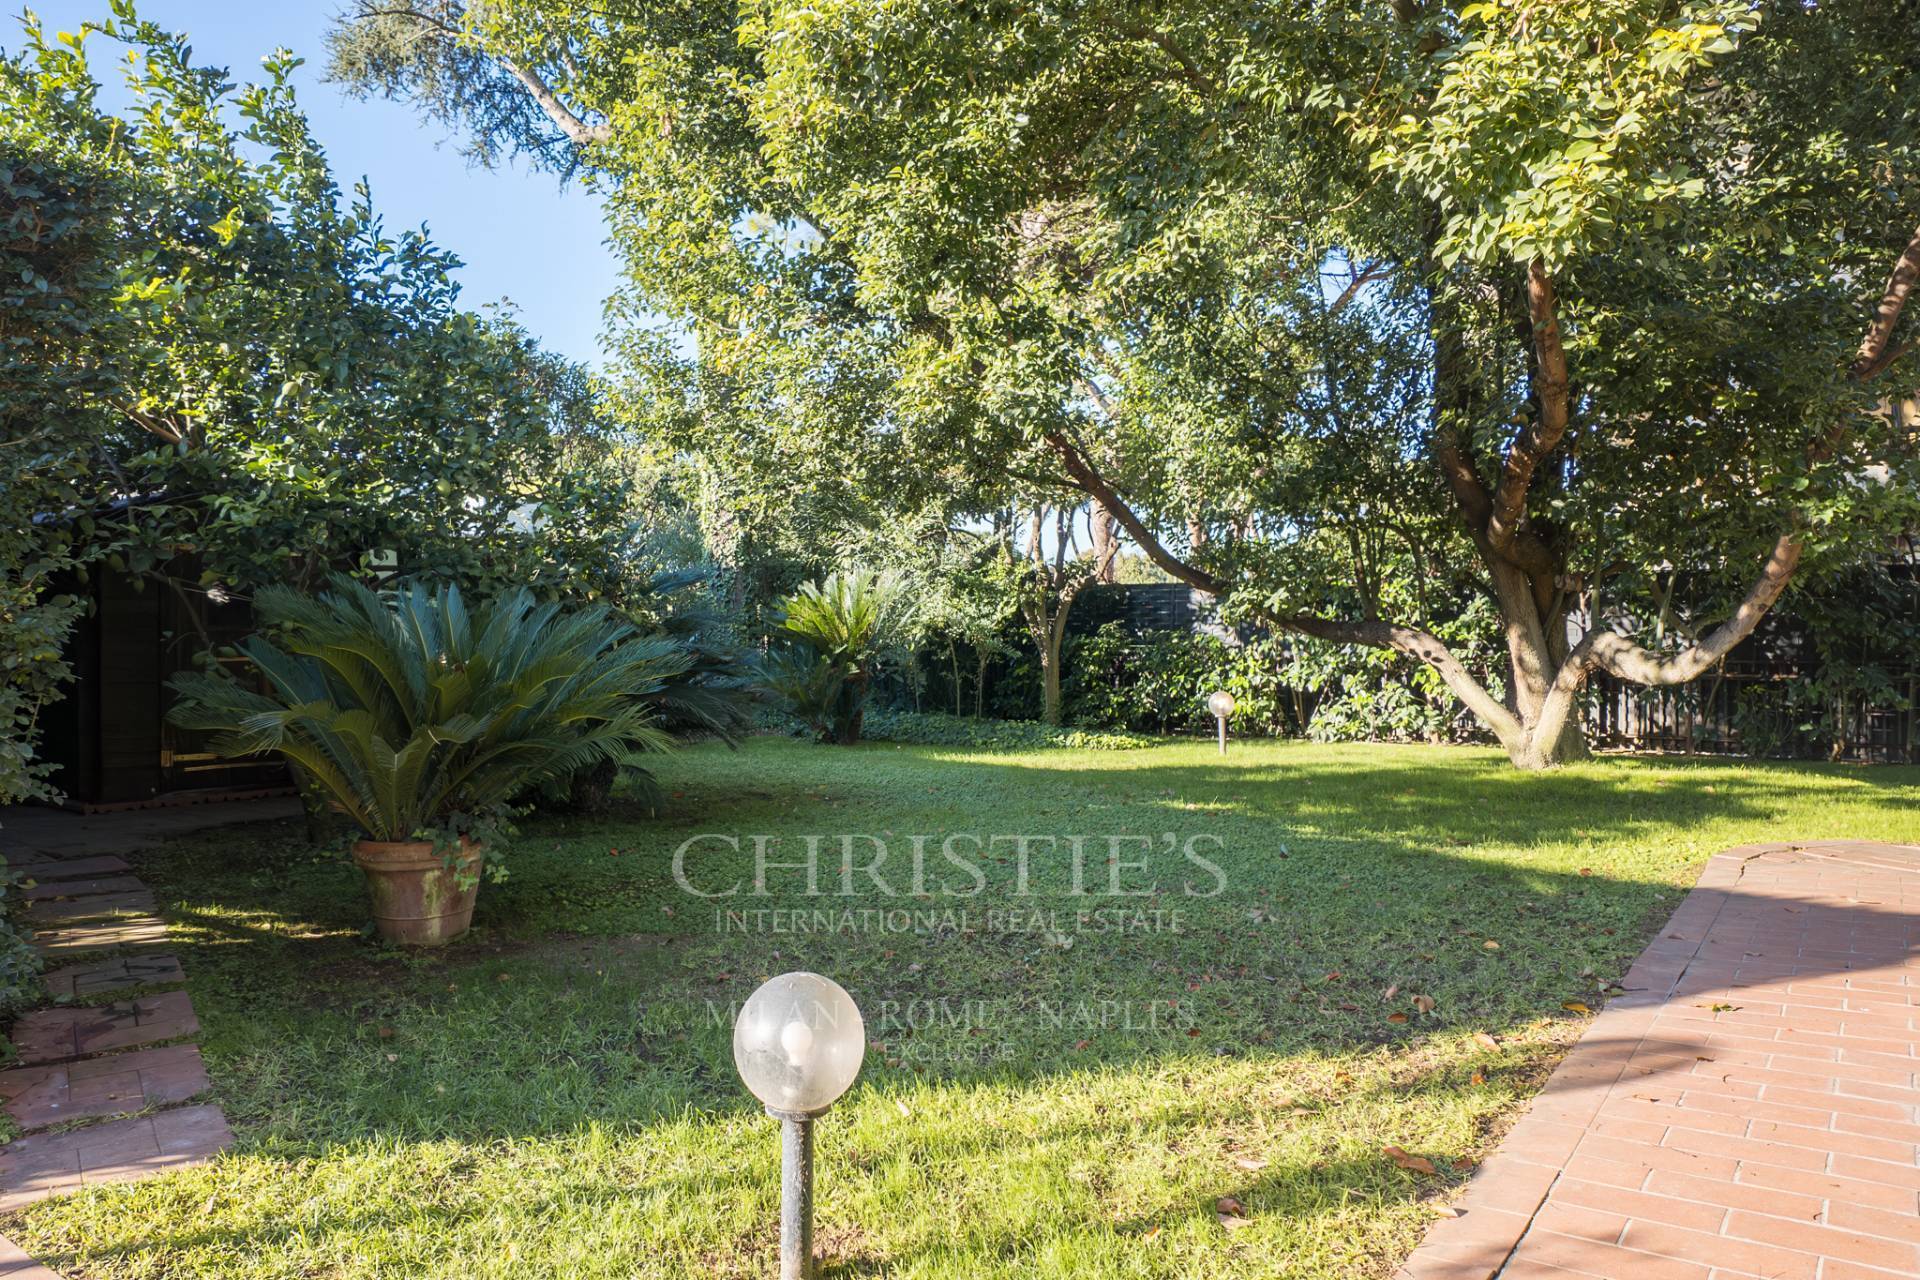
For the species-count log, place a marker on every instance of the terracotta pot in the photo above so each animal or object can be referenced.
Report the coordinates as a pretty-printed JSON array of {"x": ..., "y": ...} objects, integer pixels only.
[{"x": 418, "y": 900}]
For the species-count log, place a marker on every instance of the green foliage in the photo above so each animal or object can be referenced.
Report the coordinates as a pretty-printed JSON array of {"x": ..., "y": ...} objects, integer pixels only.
[
  {"x": 839, "y": 629},
  {"x": 934, "y": 729},
  {"x": 206, "y": 343},
  {"x": 1270, "y": 276},
  {"x": 20, "y": 960},
  {"x": 412, "y": 715},
  {"x": 716, "y": 693}
]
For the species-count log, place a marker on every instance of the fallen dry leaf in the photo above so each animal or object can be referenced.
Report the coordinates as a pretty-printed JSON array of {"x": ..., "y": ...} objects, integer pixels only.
[
  {"x": 1479, "y": 1077},
  {"x": 1423, "y": 1003},
  {"x": 1252, "y": 1164},
  {"x": 1227, "y": 1204},
  {"x": 1574, "y": 1006},
  {"x": 1445, "y": 1211},
  {"x": 1413, "y": 1164},
  {"x": 1490, "y": 945},
  {"x": 1485, "y": 1041},
  {"x": 1391, "y": 992},
  {"x": 1232, "y": 1221},
  {"x": 1396, "y": 1017}
]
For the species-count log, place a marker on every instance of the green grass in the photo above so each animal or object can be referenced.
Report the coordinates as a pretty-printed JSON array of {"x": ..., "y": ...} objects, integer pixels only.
[{"x": 554, "y": 1096}]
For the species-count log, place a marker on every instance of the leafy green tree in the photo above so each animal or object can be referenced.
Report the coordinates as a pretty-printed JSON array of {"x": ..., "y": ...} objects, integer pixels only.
[
  {"x": 1577, "y": 292},
  {"x": 207, "y": 345}
]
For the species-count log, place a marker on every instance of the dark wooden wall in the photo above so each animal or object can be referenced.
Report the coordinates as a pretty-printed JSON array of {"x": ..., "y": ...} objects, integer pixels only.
[{"x": 109, "y": 735}]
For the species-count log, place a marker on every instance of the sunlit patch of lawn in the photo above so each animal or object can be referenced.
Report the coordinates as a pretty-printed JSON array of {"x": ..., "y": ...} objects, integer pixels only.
[{"x": 1046, "y": 1094}]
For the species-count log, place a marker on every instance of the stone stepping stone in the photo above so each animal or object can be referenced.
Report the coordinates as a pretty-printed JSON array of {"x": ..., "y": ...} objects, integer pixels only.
[
  {"x": 96, "y": 907},
  {"x": 79, "y": 981},
  {"x": 48, "y": 1164},
  {"x": 81, "y": 938},
  {"x": 59, "y": 1034},
  {"x": 17, "y": 1264},
  {"x": 82, "y": 888},
  {"x": 117, "y": 1085},
  {"x": 72, "y": 868}
]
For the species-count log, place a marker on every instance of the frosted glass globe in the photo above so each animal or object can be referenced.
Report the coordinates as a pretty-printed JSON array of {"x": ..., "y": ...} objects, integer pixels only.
[
  {"x": 798, "y": 1042},
  {"x": 1221, "y": 704}
]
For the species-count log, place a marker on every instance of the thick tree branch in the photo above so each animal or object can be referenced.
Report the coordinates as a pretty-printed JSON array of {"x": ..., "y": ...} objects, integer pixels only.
[
  {"x": 1411, "y": 641},
  {"x": 1540, "y": 436},
  {"x": 1358, "y": 280},
  {"x": 1876, "y": 349},
  {"x": 1191, "y": 69},
  {"x": 1091, "y": 482},
  {"x": 1621, "y": 657},
  {"x": 557, "y": 111}
]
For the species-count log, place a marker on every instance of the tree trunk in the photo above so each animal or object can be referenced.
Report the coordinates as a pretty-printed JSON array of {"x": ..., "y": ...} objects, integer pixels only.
[{"x": 1105, "y": 533}]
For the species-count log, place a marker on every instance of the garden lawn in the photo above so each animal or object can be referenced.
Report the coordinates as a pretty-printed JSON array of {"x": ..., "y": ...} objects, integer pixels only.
[{"x": 1044, "y": 1096}]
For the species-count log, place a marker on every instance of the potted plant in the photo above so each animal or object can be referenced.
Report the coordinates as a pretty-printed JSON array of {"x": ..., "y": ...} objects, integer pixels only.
[{"x": 421, "y": 720}]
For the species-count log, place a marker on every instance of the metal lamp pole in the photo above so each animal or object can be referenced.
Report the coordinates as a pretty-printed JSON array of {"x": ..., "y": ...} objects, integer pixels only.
[
  {"x": 796, "y": 1194},
  {"x": 798, "y": 1043},
  {"x": 1221, "y": 704}
]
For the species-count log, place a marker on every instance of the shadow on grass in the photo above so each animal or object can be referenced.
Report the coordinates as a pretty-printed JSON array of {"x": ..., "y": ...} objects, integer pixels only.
[{"x": 595, "y": 991}]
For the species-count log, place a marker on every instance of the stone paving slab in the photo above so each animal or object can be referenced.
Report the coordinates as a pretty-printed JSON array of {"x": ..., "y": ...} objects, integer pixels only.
[
  {"x": 48, "y": 1164},
  {"x": 41, "y": 890},
  {"x": 1751, "y": 1106},
  {"x": 79, "y": 939},
  {"x": 72, "y": 868},
  {"x": 116, "y": 1085},
  {"x": 70, "y": 1031},
  {"x": 17, "y": 1264},
  {"x": 98, "y": 906},
  {"x": 81, "y": 981}
]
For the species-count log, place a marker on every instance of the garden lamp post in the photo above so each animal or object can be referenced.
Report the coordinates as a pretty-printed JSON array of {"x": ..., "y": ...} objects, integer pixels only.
[
  {"x": 798, "y": 1042},
  {"x": 1221, "y": 704}
]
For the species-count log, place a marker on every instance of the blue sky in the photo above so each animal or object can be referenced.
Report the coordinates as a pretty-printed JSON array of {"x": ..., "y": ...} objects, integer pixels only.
[{"x": 521, "y": 236}]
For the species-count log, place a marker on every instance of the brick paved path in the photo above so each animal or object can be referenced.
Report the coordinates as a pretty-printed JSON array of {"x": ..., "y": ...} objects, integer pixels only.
[
  {"x": 1749, "y": 1107},
  {"x": 110, "y": 1056}
]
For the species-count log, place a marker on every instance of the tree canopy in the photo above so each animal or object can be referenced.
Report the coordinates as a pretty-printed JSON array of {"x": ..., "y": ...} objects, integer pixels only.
[
  {"x": 1575, "y": 298},
  {"x": 210, "y": 348}
]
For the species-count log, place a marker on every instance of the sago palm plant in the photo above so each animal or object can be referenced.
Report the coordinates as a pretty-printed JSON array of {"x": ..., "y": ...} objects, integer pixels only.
[
  {"x": 841, "y": 628},
  {"x": 413, "y": 714}
]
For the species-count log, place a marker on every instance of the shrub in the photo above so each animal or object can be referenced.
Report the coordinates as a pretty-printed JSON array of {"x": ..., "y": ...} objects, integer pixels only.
[
  {"x": 412, "y": 716},
  {"x": 1159, "y": 683},
  {"x": 837, "y": 631},
  {"x": 933, "y": 729}
]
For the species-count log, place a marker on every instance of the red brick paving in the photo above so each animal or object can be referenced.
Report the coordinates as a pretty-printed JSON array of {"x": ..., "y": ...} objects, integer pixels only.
[
  {"x": 70, "y": 868},
  {"x": 81, "y": 981},
  {"x": 1751, "y": 1106},
  {"x": 80, "y": 888},
  {"x": 47, "y": 1164},
  {"x": 15, "y": 1264},
  {"x": 78, "y": 940},
  {"x": 97, "y": 906},
  {"x": 115, "y": 1085},
  {"x": 69, "y": 1031},
  {"x": 84, "y": 889}
]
